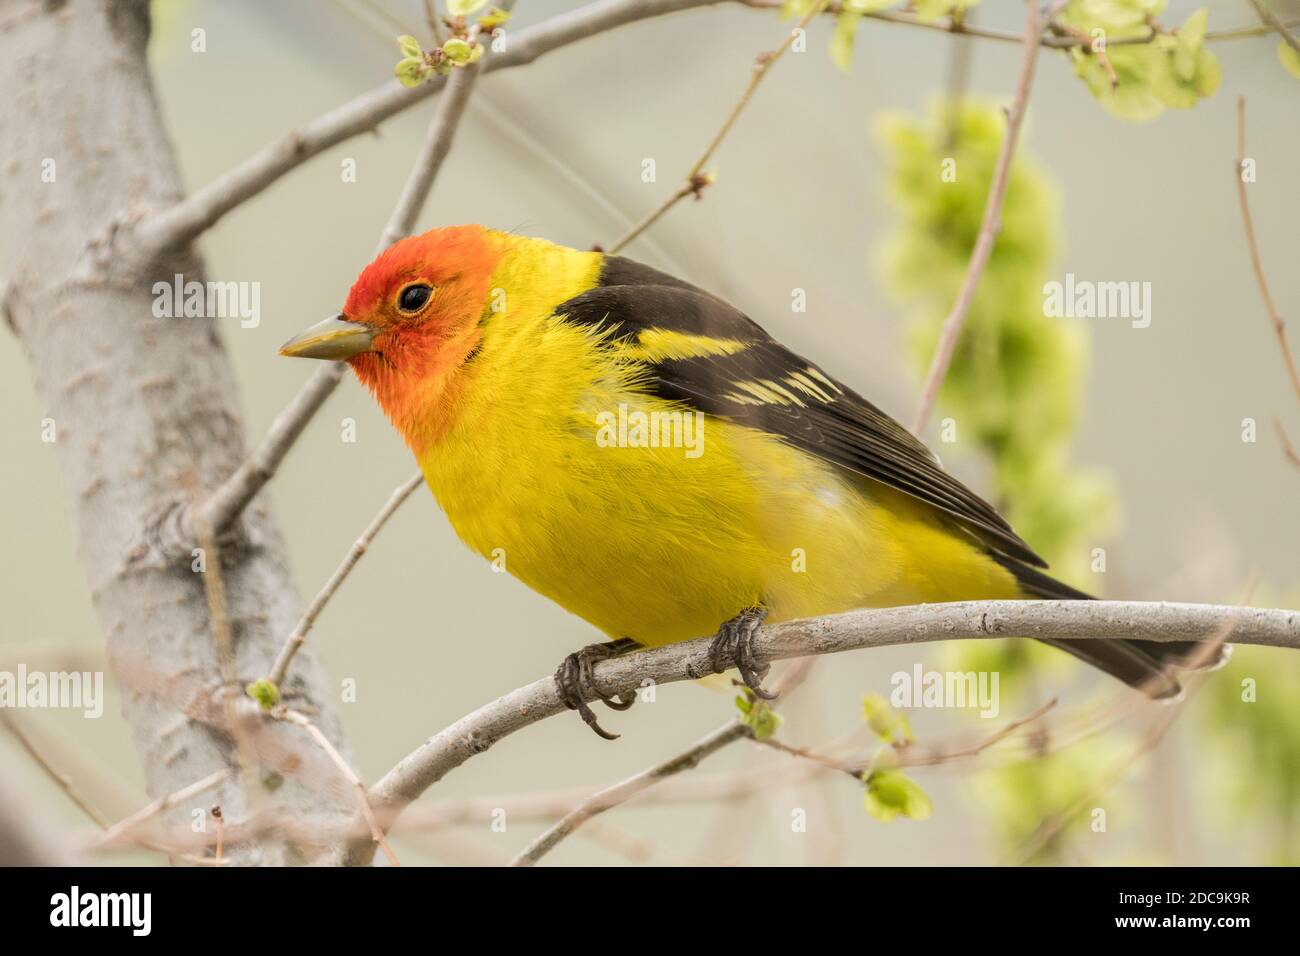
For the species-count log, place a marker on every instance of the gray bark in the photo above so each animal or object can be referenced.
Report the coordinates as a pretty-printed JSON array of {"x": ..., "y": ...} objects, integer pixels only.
[{"x": 145, "y": 408}]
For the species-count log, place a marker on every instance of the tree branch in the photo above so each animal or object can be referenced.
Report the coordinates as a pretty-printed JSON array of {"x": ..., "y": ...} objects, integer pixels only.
[
  {"x": 144, "y": 404},
  {"x": 183, "y": 222},
  {"x": 228, "y": 502},
  {"x": 990, "y": 227},
  {"x": 690, "y": 660}
]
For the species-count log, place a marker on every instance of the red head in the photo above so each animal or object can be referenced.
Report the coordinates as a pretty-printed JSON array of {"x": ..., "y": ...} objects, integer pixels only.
[{"x": 412, "y": 317}]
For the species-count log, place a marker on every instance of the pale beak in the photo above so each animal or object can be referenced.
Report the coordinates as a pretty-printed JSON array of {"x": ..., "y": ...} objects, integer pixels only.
[{"x": 336, "y": 338}]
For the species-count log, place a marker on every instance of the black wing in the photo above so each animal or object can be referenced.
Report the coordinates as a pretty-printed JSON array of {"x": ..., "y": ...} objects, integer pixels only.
[{"x": 728, "y": 366}]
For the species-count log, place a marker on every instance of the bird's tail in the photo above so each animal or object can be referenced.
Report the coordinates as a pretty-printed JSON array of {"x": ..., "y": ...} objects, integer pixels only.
[{"x": 1150, "y": 666}]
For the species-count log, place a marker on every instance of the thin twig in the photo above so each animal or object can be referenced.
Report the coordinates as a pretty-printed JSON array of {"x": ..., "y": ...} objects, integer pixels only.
[
  {"x": 214, "y": 590},
  {"x": 435, "y": 24},
  {"x": 967, "y": 620},
  {"x": 1288, "y": 449},
  {"x": 911, "y": 755},
  {"x": 989, "y": 228},
  {"x": 225, "y": 504},
  {"x": 1279, "y": 327},
  {"x": 696, "y": 179},
  {"x": 437, "y": 143},
  {"x": 304, "y": 625},
  {"x": 1051, "y": 826},
  {"x": 124, "y": 827},
  {"x": 62, "y": 780},
  {"x": 1275, "y": 23},
  {"x": 689, "y": 759},
  {"x": 363, "y": 800},
  {"x": 625, "y": 790},
  {"x": 219, "y": 821},
  {"x": 960, "y": 27}
]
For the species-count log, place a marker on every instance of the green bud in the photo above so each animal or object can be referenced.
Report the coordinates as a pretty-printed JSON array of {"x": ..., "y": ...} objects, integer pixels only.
[
  {"x": 264, "y": 692},
  {"x": 761, "y": 719}
]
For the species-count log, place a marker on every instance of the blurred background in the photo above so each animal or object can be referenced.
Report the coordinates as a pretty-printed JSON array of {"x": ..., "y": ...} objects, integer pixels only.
[{"x": 807, "y": 197}]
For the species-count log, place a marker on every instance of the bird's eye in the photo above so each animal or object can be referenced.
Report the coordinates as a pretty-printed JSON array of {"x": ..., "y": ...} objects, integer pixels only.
[{"x": 414, "y": 298}]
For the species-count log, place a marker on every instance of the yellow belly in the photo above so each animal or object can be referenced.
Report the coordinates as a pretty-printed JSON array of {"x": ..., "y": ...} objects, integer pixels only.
[{"x": 661, "y": 544}]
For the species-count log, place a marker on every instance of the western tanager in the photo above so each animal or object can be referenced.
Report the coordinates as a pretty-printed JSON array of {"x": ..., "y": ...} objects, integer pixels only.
[{"x": 646, "y": 456}]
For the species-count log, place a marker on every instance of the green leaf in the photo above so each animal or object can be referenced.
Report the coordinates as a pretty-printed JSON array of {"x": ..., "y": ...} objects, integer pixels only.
[
  {"x": 846, "y": 28},
  {"x": 891, "y": 794},
  {"x": 1116, "y": 17},
  {"x": 879, "y": 716},
  {"x": 1192, "y": 32},
  {"x": 758, "y": 716},
  {"x": 887, "y": 724},
  {"x": 411, "y": 71},
  {"x": 494, "y": 18},
  {"x": 1131, "y": 97},
  {"x": 463, "y": 8},
  {"x": 409, "y": 46},
  {"x": 458, "y": 51},
  {"x": 1290, "y": 58},
  {"x": 1182, "y": 87}
]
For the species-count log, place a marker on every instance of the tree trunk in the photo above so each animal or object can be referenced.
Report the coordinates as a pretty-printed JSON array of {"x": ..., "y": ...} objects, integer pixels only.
[{"x": 145, "y": 411}]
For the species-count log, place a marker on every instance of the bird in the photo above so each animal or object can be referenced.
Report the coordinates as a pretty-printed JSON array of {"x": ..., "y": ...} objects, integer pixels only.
[{"x": 645, "y": 455}]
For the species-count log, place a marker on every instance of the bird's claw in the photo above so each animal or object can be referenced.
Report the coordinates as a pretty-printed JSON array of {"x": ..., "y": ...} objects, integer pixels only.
[
  {"x": 575, "y": 682},
  {"x": 735, "y": 640}
]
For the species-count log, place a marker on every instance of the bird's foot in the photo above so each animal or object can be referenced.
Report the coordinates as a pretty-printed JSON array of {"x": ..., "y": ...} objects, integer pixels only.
[
  {"x": 573, "y": 680},
  {"x": 735, "y": 640}
]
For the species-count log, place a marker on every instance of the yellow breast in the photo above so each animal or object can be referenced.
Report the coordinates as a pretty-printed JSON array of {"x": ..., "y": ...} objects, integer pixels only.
[{"x": 544, "y": 469}]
